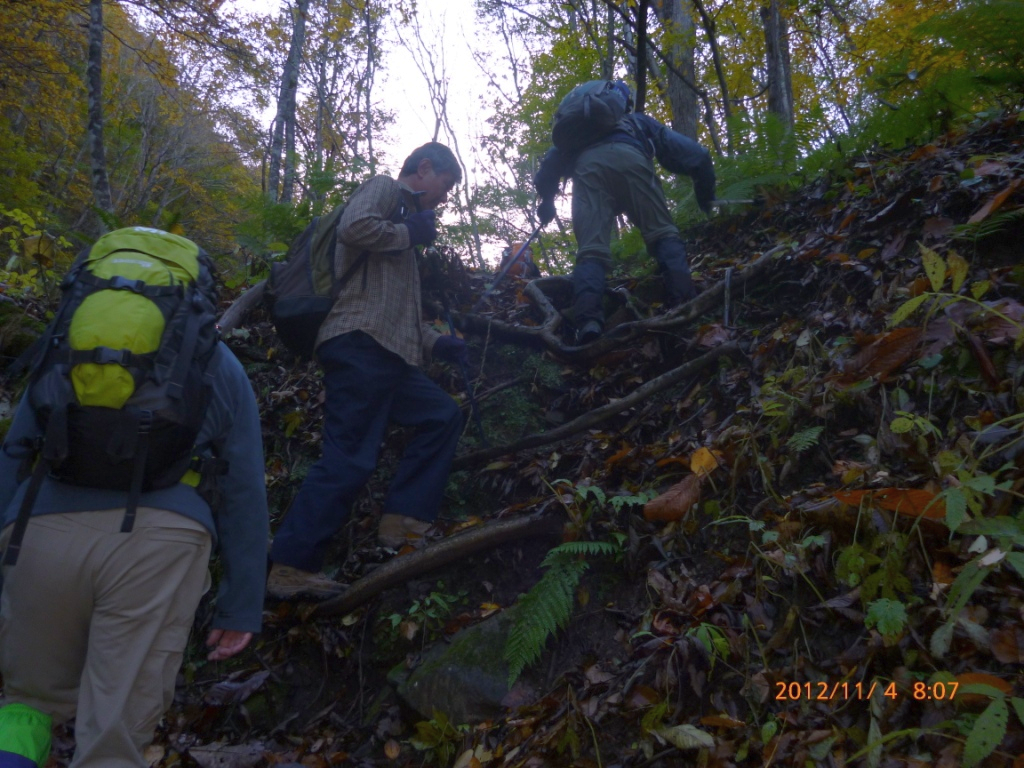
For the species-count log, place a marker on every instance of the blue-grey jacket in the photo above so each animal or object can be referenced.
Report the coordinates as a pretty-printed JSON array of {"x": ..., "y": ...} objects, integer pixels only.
[
  {"x": 240, "y": 529},
  {"x": 675, "y": 152}
]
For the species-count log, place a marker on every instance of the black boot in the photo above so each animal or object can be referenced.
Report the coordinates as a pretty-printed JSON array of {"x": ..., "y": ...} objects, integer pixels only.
[
  {"x": 588, "y": 282},
  {"x": 670, "y": 253}
]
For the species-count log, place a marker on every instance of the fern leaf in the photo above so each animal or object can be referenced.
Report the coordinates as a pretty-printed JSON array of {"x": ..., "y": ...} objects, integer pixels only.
[
  {"x": 547, "y": 607},
  {"x": 585, "y": 548},
  {"x": 804, "y": 439}
]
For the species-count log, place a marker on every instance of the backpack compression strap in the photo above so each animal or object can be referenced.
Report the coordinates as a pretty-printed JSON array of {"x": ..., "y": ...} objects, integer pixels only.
[
  {"x": 119, "y": 283},
  {"x": 176, "y": 383}
]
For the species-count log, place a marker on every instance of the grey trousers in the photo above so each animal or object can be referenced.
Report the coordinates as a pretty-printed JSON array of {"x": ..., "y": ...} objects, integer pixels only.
[
  {"x": 610, "y": 179},
  {"x": 94, "y": 623}
]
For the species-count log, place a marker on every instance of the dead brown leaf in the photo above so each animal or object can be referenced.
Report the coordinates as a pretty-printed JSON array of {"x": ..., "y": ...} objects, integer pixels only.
[
  {"x": 995, "y": 203},
  {"x": 675, "y": 502},
  {"x": 884, "y": 355},
  {"x": 1008, "y": 645},
  {"x": 913, "y": 502}
]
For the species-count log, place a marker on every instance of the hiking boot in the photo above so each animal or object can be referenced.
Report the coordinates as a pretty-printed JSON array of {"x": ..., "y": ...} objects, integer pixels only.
[
  {"x": 395, "y": 531},
  {"x": 590, "y": 331},
  {"x": 287, "y": 583}
]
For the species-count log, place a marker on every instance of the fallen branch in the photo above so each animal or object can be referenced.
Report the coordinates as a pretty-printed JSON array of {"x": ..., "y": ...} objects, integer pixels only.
[
  {"x": 240, "y": 307},
  {"x": 597, "y": 415},
  {"x": 437, "y": 554}
]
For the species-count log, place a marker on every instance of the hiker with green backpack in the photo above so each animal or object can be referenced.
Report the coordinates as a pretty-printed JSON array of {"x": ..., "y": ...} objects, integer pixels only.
[
  {"x": 372, "y": 345},
  {"x": 134, "y": 451},
  {"x": 608, "y": 152}
]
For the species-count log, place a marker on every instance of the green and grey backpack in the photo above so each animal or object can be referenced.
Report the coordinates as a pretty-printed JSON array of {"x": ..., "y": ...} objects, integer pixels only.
[
  {"x": 118, "y": 384},
  {"x": 587, "y": 114}
]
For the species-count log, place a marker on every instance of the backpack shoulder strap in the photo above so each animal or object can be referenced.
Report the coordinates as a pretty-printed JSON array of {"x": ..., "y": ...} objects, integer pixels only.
[{"x": 363, "y": 260}]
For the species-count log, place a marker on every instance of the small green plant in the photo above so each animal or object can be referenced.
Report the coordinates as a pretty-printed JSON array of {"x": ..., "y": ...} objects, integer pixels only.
[
  {"x": 439, "y": 738},
  {"x": 936, "y": 268},
  {"x": 889, "y": 617},
  {"x": 910, "y": 422},
  {"x": 34, "y": 258},
  {"x": 985, "y": 731},
  {"x": 998, "y": 537},
  {"x": 426, "y": 617},
  {"x": 712, "y": 639},
  {"x": 684, "y": 736},
  {"x": 546, "y": 608}
]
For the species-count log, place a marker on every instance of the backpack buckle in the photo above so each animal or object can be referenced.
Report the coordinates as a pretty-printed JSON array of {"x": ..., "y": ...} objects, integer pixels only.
[
  {"x": 121, "y": 283},
  {"x": 108, "y": 356}
]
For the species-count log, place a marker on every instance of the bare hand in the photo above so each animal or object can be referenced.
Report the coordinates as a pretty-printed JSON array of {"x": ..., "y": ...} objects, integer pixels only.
[{"x": 226, "y": 643}]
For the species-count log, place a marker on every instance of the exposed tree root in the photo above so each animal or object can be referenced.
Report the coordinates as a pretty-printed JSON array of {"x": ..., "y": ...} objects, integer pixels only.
[
  {"x": 597, "y": 415},
  {"x": 538, "y": 291},
  {"x": 436, "y": 555}
]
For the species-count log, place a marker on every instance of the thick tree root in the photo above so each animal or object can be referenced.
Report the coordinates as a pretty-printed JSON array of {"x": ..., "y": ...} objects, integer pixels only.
[
  {"x": 597, "y": 415},
  {"x": 436, "y": 555},
  {"x": 546, "y": 333}
]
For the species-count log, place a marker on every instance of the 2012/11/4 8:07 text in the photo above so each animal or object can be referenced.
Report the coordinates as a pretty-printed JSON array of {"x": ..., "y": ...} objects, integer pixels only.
[{"x": 822, "y": 690}]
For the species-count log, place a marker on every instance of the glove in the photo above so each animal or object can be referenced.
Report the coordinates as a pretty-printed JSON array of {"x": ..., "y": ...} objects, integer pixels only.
[
  {"x": 706, "y": 206},
  {"x": 422, "y": 227},
  {"x": 451, "y": 349},
  {"x": 546, "y": 212}
]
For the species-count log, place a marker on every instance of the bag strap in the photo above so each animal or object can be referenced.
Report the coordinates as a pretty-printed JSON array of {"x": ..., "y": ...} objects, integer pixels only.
[
  {"x": 363, "y": 260},
  {"x": 107, "y": 355},
  {"x": 119, "y": 283},
  {"x": 24, "y": 511},
  {"x": 138, "y": 471},
  {"x": 189, "y": 342},
  {"x": 32, "y": 357}
]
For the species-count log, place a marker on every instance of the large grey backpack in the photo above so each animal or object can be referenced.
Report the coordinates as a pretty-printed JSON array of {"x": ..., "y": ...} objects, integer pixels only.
[{"x": 587, "y": 114}]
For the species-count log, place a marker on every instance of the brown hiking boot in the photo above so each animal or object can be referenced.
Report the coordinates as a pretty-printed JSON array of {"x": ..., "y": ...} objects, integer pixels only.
[
  {"x": 287, "y": 583},
  {"x": 395, "y": 531}
]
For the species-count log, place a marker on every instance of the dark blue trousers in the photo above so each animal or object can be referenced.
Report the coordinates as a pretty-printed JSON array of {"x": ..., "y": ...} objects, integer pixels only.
[{"x": 367, "y": 387}]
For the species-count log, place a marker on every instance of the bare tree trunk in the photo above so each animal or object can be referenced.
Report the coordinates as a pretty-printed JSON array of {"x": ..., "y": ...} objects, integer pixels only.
[
  {"x": 368, "y": 80},
  {"x": 94, "y": 78},
  {"x": 641, "y": 54},
  {"x": 780, "y": 78},
  {"x": 286, "y": 99},
  {"x": 682, "y": 95},
  {"x": 716, "y": 56},
  {"x": 608, "y": 61},
  {"x": 288, "y": 185}
]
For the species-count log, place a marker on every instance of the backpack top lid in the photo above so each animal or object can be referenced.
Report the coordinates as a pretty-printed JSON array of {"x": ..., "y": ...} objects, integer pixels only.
[
  {"x": 588, "y": 113},
  {"x": 180, "y": 255}
]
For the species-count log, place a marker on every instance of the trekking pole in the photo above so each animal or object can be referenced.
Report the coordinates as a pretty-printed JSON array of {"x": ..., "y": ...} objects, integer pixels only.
[
  {"x": 465, "y": 376},
  {"x": 506, "y": 268},
  {"x": 723, "y": 203}
]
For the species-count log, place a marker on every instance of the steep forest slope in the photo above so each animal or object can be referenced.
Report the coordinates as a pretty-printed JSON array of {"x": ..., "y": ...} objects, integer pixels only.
[{"x": 810, "y": 478}]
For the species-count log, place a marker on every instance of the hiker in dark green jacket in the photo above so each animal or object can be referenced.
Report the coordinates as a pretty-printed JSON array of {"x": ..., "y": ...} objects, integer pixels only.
[
  {"x": 94, "y": 622},
  {"x": 616, "y": 175}
]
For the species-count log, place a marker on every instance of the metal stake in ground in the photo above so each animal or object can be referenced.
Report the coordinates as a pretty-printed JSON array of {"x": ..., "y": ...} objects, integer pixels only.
[{"x": 465, "y": 377}]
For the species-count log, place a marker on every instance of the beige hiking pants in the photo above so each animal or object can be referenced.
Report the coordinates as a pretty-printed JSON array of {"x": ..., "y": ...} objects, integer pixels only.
[{"x": 94, "y": 622}]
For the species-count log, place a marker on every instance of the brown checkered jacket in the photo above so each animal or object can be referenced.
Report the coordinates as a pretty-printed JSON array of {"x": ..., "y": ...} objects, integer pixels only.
[{"x": 382, "y": 299}]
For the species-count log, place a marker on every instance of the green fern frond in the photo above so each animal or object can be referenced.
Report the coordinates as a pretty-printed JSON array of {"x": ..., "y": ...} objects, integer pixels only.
[
  {"x": 993, "y": 225},
  {"x": 547, "y": 607},
  {"x": 585, "y": 548},
  {"x": 804, "y": 439}
]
